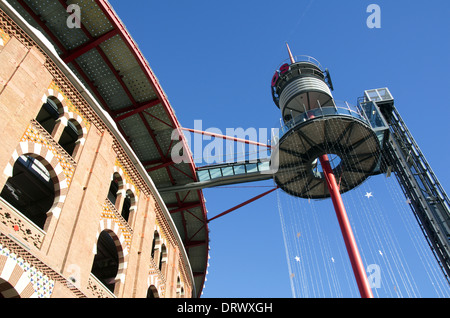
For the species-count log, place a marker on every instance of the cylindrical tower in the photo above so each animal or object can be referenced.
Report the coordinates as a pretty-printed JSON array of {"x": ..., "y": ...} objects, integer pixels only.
[
  {"x": 315, "y": 124},
  {"x": 315, "y": 129},
  {"x": 301, "y": 86}
]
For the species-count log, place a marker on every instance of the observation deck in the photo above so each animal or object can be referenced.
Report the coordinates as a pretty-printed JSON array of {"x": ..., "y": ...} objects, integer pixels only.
[
  {"x": 315, "y": 125},
  {"x": 342, "y": 131}
]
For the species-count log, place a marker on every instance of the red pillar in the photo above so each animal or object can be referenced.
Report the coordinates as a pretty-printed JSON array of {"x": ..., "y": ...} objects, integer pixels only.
[{"x": 347, "y": 233}]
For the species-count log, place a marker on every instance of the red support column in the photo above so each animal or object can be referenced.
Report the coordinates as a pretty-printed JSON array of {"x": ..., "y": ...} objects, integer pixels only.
[{"x": 347, "y": 233}]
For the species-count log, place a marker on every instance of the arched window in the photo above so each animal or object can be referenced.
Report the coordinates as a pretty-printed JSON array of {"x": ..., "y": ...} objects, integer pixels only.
[
  {"x": 152, "y": 292},
  {"x": 128, "y": 203},
  {"x": 30, "y": 189},
  {"x": 106, "y": 262},
  {"x": 114, "y": 187},
  {"x": 50, "y": 111},
  {"x": 178, "y": 288},
  {"x": 163, "y": 258},
  {"x": 182, "y": 292},
  {"x": 155, "y": 245},
  {"x": 70, "y": 136}
]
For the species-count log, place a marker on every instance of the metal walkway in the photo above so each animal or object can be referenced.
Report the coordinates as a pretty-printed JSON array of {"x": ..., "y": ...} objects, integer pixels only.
[{"x": 226, "y": 174}]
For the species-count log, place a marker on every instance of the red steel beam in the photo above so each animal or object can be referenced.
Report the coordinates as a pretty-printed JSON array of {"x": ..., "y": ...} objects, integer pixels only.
[
  {"x": 160, "y": 166},
  {"x": 158, "y": 119},
  {"x": 347, "y": 233},
  {"x": 137, "y": 109},
  {"x": 226, "y": 137},
  {"x": 186, "y": 207},
  {"x": 92, "y": 43},
  {"x": 243, "y": 204},
  {"x": 152, "y": 135},
  {"x": 119, "y": 112},
  {"x": 152, "y": 162},
  {"x": 195, "y": 244}
]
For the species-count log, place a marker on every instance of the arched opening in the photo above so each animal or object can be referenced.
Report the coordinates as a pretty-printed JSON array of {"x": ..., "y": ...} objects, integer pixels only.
[
  {"x": 7, "y": 290},
  {"x": 70, "y": 136},
  {"x": 106, "y": 262},
  {"x": 30, "y": 189},
  {"x": 182, "y": 292},
  {"x": 114, "y": 187},
  {"x": 155, "y": 244},
  {"x": 49, "y": 114},
  {"x": 163, "y": 258},
  {"x": 179, "y": 288},
  {"x": 127, "y": 204},
  {"x": 152, "y": 292}
]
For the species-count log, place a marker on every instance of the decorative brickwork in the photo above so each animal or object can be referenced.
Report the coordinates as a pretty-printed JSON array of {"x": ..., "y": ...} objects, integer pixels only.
[
  {"x": 24, "y": 228},
  {"x": 97, "y": 289},
  {"x": 4, "y": 37},
  {"x": 112, "y": 220},
  {"x": 26, "y": 275},
  {"x": 129, "y": 182},
  {"x": 25, "y": 279},
  {"x": 121, "y": 233},
  {"x": 43, "y": 145},
  {"x": 71, "y": 112},
  {"x": 155, "y": 278}
]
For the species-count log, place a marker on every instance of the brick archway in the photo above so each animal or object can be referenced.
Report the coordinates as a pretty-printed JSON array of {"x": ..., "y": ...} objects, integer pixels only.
[
  {"x": 51, "y": 163},
  {"x": 113, "y": 229}
]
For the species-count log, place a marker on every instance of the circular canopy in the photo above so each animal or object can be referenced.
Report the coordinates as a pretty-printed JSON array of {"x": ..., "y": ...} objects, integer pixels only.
[{"x": 352, "y": 141}]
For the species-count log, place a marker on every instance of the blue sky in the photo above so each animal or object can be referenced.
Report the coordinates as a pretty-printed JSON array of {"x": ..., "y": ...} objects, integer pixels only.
[{"x": 215, "y": 60}]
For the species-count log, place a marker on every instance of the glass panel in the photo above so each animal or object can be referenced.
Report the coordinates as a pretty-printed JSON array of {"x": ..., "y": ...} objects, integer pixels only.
[
  {"x": 372, "y": 95},
  {"x": 252, "y": 167},
  {"x": 215, "y": 173},
  {"x": 384, "y": 94},
  {"x": 263, "y": 166},
  {"x": 239, "y": 169},
  {"x": 203, "y": 175},
  {"x": 227, "y": 171},
  {"x": 373, "y": 115}
]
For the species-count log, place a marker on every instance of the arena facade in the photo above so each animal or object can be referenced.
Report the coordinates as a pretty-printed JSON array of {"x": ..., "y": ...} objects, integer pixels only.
[{"x": 85, "y": 145}]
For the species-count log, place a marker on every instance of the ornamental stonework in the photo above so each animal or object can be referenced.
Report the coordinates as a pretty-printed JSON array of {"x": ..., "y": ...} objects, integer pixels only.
[
  {"x": 39, "y": 136},
  {"x": 25, "y": 229},
  {"x": 4, "y": 37},
  {"x": 128, "y": 180},
  {"x": 112, "y": 220},
  {"x": 71, "y": 108},
  {"x": 29, "y": 281}
]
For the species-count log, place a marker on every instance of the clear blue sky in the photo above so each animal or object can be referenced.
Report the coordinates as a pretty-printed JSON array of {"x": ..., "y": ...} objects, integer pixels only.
[{"x": 215, "y": 60}]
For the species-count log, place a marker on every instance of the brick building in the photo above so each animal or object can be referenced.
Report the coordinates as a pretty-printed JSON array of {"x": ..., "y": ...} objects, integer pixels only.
[{"x": 85, "y": 145}]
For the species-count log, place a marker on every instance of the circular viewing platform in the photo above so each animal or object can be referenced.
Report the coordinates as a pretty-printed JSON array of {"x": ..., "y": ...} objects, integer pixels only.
[{"x": 342, "y": 132}]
